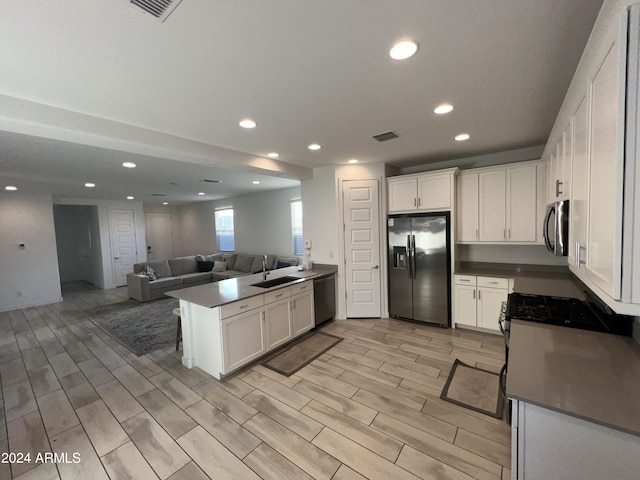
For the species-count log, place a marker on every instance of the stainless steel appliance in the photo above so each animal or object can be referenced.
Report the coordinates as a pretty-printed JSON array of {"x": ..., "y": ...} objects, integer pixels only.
[
  {"x": 420, "y": 267},
  {"x": 324, "y": 298},
  {"x": 555, "y": 228}
]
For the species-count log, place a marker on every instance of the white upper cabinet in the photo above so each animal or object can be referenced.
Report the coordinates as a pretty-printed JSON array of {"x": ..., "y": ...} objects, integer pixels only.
[
  {"x": 424, "y": 192},
  {"x": 500, "y": 204},
  {"x": 602, "y": 108}
]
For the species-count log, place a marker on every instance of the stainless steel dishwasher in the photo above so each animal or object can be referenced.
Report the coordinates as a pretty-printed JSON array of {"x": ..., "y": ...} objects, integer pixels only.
[{"x": 324, "y": 298}]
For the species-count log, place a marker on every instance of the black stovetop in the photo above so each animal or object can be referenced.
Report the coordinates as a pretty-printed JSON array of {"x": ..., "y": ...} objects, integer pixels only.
[{"x": 565, "y": 312}]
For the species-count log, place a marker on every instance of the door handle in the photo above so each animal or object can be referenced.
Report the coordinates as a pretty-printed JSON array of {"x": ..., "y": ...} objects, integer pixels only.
[
  {"x": 375, "y": 267},
  {"x": 116, "y": 258}
]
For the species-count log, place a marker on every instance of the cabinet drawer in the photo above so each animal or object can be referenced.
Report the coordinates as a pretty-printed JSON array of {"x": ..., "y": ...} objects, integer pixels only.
[
  {"x": 276, "y": 295},
  {"x": 241, "y": 306},
  {"x": 464, "y": 279},
  {"x": 493, "y": 282},
  {"x": 302, "y": 287}
]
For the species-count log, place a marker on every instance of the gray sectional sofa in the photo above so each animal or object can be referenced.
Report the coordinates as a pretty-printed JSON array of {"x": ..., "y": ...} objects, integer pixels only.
[{"x": 150, "y": 280}]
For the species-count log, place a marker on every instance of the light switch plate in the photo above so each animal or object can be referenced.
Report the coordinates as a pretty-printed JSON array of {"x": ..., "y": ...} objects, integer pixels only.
[{"x": 307, "y": 243}]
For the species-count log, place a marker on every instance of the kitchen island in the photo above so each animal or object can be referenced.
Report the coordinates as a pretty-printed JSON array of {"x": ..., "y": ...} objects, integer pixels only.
[
  {"x": 227, "y": 324},
  {"x": 576, "y": 398}
]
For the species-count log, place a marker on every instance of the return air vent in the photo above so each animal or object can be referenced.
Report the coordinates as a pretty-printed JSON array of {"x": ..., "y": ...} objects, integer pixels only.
[
  {"x": 384, "y": 136},
  {"x": 160, "y": 9},
  {"x": 206, "y": 180},
  {"x": 158, "y": 195}
]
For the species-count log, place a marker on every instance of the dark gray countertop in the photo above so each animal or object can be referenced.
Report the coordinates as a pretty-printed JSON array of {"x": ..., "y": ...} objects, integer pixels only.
[
  {"x": 230, "y": 290},
  {"x": 535, "y": 279},
  {"x": 589, "y": 375}
]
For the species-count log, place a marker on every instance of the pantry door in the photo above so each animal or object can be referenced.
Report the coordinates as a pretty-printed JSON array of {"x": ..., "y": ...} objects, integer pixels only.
[
  {"x": 361, "y": 213},
  {"x": 123, "y": 244}
]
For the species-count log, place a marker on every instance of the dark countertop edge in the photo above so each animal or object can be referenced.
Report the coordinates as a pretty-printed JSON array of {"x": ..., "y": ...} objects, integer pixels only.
[{"x": 574, "y": 415}]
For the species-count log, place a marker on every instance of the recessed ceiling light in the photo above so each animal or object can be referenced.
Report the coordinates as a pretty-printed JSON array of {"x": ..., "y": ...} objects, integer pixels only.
[
  {"x": 130, "y": 197},
  {"x": 314, "y": 146},
  {"x": 89, "y": 185},
  {"x": 462, "y": 137},
  {"x": 129, "y": 165},
  {"x": 256, "y": 182},
  {"x": 273, "y": 155},
  {"x": 165, "y": 203},
  {"x": 247, "y": 123},
  {"x": 353, "y": 160},
  {"x": 200, "y": 193},
  {"x": 11, "y": 188},
  {"x": 213, "y": 163},
  {"x": 403, "y": 49},
  {"x": 443, "y": 108}
]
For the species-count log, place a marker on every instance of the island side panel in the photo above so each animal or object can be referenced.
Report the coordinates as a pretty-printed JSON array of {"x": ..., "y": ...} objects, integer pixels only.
[{"x": 201, "y": 340}]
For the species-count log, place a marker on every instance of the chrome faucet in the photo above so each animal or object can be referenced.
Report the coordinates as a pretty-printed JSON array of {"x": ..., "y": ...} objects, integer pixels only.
[{"x": 264, "y": 268}]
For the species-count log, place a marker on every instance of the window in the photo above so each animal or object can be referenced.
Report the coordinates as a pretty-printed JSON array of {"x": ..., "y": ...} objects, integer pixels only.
[
  {"x": 224, "y": 230},
  {"x": 296, "y": 227}
]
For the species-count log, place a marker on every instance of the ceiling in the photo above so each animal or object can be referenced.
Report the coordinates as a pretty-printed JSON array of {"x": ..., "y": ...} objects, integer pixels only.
[{"x": 88, "y": 84}]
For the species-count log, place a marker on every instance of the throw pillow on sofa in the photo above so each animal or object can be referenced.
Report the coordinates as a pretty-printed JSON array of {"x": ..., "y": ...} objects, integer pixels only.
[
  {"x": 220, "y": 266},
  {"x": 149, "y": 272},
  {"x": 205, "y": 265},
  {"x": 243, "y": 263}
]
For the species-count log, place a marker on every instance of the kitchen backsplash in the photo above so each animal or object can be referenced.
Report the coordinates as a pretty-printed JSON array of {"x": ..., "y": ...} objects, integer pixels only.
[{"x": 513, "y": 254}]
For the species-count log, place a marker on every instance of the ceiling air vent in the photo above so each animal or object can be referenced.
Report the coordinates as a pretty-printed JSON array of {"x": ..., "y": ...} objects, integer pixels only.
[
  {"x": 206, "y": 180},
  {"x": 160, "y": 9},
  {"x": 158, "y": 195},
  {"x": 384, "y": 136}
]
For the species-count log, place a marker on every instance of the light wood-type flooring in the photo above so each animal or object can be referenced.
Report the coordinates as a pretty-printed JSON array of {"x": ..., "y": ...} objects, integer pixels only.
[{"x": 368, "y": 408}]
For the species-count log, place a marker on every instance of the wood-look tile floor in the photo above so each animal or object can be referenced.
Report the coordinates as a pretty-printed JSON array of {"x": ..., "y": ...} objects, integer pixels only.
[{"x": 368, "y": 408}]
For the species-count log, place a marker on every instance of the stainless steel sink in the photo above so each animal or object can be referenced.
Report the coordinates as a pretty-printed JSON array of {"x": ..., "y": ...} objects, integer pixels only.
[{"x": 275, "y": 282}]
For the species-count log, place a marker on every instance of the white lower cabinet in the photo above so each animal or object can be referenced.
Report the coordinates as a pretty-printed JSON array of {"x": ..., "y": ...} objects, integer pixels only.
[
  {"x": 243, "y": 338},
  {"x": 550, "y": 445},
  {"x": 278, "y": 323},
  {"x": 302, "y": 311},
  {"x": 477, "y": 300}
]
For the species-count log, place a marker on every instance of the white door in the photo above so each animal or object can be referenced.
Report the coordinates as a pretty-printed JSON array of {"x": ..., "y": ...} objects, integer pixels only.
[
  {"x": 361, "y": 214},
  {"x": 123, "y": 244},
  {"x": 159, "y": 236}
]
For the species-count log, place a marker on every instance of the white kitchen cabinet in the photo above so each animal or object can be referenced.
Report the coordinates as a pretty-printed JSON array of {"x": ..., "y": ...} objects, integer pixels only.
[
  {"x": 467, "y": 208},
  {"x": 550, "y": 445},
  {"x": 302, "y": 312},
  {"x": 243, "y": 339},
  {"x": 278, "y": 323},
  {"x": 561, "y": 165},
  {"x": 603, "y": 101},
  {"x": 500, "y": 204},
  {"x": 579, "y": 188},
  {"x": 425, "y": 192},
  {"x": 477, "y": 300}
]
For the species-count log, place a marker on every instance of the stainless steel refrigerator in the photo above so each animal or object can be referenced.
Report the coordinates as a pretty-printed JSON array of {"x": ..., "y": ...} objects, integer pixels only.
[{"x": 420, "y": 267}]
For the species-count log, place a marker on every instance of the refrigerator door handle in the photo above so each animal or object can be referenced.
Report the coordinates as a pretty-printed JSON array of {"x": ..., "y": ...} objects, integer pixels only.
[
  {"x": 409, "y": 255},
  {"x": 413, "y": 254}
]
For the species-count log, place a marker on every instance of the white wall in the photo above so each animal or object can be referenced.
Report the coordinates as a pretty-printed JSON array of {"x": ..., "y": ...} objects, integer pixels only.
[
  {"x": 513, "y": 254},
  {"x": 27, "y": 277},
  {"x": 320, "y": 215},
  {"x": 262, "y": 223}
]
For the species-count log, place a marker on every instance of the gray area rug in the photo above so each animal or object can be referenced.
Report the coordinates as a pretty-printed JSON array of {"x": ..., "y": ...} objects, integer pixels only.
[
  {"x": 474, "y": 388},
  {"x": 141, "y": 327},
  {"x": 288, "y": 361}
]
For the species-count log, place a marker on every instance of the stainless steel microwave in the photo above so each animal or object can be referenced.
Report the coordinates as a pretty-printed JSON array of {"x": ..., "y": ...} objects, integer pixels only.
[{"x": 555, "y": 229}]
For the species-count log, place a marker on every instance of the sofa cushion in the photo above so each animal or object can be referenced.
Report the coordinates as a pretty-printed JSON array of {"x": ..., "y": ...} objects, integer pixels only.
[
  {"x": 204, "y": 265},
  {"x": 230, "y": 258},
  {"x": 161, "y": 267},
  {"x": 198, "y": 277},
  {"x": 243, "y": 263},
  {"x": 147, "y": 271},
  {"x": 289, "y": 261},
  {"x": 219, "y": 266},
  {"x": 182, "y": 265},
  {"x": 215, "y": 257},
  {"x": 165, "y": 283},
  {"x": 256, "y": 266},
  {"x": 271, "y": 261}
]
